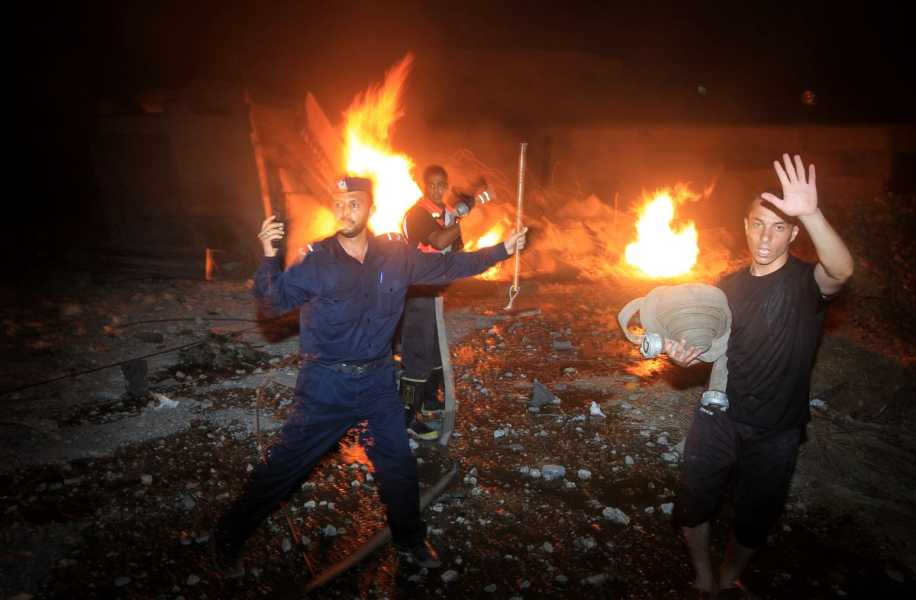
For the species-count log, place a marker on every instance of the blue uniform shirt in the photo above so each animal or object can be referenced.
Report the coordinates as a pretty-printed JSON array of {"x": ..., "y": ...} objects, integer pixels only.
[{"x": 349, "y": 311}]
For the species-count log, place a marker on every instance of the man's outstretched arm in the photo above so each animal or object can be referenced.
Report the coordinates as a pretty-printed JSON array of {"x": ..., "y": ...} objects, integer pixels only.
[
  {"x": 835, "y": 264},
  {"x": 438, "y": 269}
]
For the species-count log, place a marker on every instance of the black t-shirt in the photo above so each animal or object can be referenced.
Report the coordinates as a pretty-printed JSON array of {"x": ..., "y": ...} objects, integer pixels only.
[
  {"x": 419, "y": 224},
  {"x": 777, "y": 321}
]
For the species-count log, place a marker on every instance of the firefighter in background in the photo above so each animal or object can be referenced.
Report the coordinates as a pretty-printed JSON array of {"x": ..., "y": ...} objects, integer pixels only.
[{"x": 432, "y": 225}]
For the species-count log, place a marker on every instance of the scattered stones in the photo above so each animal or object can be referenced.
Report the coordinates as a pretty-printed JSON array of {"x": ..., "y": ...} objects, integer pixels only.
[{"x": 616, "y": 515}]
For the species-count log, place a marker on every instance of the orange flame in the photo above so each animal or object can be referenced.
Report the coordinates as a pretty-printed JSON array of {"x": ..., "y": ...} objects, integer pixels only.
[
  {"x": 368, "y": 153},
  {"x": 660, "y": 251},
  {"x": 494, "y": 235}
]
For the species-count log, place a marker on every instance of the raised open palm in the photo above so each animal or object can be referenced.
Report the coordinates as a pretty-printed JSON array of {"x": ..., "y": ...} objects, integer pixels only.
[{"x": 799, "y": 193}]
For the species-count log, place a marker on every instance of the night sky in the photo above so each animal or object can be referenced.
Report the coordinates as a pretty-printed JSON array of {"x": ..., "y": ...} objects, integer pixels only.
[{"x": 522, "y": 64}]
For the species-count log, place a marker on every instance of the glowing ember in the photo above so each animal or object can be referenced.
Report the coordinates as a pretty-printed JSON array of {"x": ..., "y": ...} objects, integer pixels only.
[
  {"x": 658, "y": 250},
  {"x": 368, "y": 152}
]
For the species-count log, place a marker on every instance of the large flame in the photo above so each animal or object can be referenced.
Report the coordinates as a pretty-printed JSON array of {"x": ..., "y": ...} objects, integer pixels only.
[
  {"x": 659, "y": 251},
  {"x": 368, "y": 153}
]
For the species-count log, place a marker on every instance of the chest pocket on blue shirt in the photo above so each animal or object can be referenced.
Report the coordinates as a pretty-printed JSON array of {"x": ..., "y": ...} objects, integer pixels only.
[
  {"x": 390, "y": 293},
  {"x": 337, "y": 312}
]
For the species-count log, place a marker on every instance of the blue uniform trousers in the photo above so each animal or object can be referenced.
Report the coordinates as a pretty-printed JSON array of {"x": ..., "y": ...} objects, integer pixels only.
[{"x": 327, "y": 404}]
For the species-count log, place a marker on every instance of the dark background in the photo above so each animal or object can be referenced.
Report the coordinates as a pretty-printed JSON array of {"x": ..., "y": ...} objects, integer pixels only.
[{"x": 523, "y": 65}]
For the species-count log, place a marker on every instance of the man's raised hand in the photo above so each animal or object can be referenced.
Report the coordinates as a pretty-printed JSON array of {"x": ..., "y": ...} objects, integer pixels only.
[
  {"x": 515, "y": 241},
  {"x": 270, "y": 231},
  {"x": 799, "y": 193}
]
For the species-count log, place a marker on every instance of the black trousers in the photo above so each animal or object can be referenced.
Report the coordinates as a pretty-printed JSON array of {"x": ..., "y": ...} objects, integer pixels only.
[
  {"x": 327, "y": 404},
  {"x": 419, "y": 335},
  {"x": 761, "y": 462}
]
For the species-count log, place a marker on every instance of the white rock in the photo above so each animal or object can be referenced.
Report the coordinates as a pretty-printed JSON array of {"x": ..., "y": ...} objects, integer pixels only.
[
  {"x": 667, "y": 508},
  {"x": 286, "y": 545},
  {"x": 596, "y": 580},
  {"x": 616, "y": 515},
  {"x": 329, "y": 531},
  {"x": 146, "y": 479},
  {"x": 628, "y": 460},
  {"x": 547, "y": 547},
  {"x": 585, "y": 543},
  {"x": 595, "y": 410},
  {"x": 490, "y": 588},
  {"x": 193, "y": 580},
  {"x": 551, "y": 472},
  {"x": 670, "y": 457},
  {"x": 584, "y": 474},
  {"x": 498, "y": 433},
  {"x": 449, "y": 576}
]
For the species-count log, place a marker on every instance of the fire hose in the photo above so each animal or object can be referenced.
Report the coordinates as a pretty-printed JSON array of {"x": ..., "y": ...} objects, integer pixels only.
[
  {"x": 380, "y": 538},
  {"x": 696, "y": 313}
]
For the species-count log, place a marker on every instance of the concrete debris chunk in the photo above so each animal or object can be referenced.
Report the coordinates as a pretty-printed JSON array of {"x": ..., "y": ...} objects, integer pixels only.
[
  {"x": 616, "y": 515},
  {"x": 551, "y": 472},
  {"x": 450, "y": 576},
  {"x": 541, "y": 396},
  {"x": 164, "y": 401}
]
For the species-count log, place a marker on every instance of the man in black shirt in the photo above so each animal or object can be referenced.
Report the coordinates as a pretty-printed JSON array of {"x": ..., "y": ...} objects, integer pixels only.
[
  {"x": 432, "y": 226},
  {"x": 778, "y": 306}
]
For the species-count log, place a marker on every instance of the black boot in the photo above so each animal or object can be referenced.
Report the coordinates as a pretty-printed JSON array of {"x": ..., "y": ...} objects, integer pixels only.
[
  {"x": 431, "y": 403},
  {"x": 412, "y": 394}
]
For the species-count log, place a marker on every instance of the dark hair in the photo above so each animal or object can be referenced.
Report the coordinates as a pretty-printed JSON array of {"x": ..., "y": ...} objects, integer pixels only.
[{"x": 434, "y": 170}]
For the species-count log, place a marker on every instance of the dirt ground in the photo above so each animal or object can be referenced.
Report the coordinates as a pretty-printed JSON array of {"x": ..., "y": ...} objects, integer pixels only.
[{"x": 107, "y": 494}]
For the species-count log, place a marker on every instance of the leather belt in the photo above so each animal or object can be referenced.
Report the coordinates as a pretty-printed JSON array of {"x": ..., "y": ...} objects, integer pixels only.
[{"x": 358, "y": 368}]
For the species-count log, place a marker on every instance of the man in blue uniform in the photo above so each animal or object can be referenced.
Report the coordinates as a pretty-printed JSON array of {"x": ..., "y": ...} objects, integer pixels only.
[
  {"x": 778, "y": 307},
  {"x": 350, "y": 289}
]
